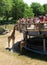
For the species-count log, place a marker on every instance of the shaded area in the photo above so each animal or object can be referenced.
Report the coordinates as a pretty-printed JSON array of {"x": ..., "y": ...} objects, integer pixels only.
[
  {"x": 16, "y": 47},
  {"x": 28, "y": 53},
  {"x": 36, "y": 43}
]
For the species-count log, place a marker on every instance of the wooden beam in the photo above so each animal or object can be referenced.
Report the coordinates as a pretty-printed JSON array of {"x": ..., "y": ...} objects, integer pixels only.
[{"x": 44, "y": 46}]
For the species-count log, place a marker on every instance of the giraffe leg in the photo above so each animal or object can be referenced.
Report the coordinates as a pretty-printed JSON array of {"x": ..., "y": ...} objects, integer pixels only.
[
  {"x": 9, "y": 42},
  {"x": 13, "y": 40}
]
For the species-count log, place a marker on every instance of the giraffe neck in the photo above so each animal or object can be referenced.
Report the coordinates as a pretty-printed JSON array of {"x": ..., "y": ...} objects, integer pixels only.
[{"x": 13, "y": 33}]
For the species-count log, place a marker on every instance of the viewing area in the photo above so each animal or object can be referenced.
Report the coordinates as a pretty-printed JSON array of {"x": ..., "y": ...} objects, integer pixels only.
[{"x": 36, "y": 38}]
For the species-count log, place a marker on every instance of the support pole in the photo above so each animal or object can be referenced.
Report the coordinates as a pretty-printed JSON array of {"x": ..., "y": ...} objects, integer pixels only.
[
  {"x": 25, "y": 35},
  {"x": 44, "y": 48}
]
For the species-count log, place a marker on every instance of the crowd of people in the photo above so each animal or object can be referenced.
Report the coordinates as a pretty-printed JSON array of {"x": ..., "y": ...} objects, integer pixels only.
[
  {"x": 28, "y": 21},
  {"x": 33, "y": 19}
]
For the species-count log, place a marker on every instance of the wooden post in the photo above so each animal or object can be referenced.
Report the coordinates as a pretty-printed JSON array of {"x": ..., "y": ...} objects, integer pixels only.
[
  {"x": 25, "y": 35},
  {"x": 44, "y": 48}
]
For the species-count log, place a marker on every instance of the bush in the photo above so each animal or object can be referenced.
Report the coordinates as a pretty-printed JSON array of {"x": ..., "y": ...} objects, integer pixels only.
[{"x": 2, "y": 22}]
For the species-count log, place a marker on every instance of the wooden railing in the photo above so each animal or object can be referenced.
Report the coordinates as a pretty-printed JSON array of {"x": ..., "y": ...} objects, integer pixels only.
[{"x": 26, "y": 26}]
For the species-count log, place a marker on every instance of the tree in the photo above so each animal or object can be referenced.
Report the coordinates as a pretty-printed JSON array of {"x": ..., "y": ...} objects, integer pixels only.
[
  {"x": 37, "y": 9},
  {"x": 21, "y": 9},
  {"x": 1, "y": 7},
  {"x": 18, "y": 9},
  {"x": 5, "y": 8},
  {"x": 45, "y": 8},
  {"x": 28, "y": 12}
]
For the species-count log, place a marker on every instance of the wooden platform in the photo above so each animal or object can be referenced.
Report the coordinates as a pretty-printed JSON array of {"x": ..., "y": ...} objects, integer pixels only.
[
  {"x": 36, "y": 45},
  {"x": 42, "y": 34}
]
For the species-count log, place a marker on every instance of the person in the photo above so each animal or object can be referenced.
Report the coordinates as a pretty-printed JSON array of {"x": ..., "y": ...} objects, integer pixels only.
[
  {"x": 46, "y": 17},
  {"x": 42, "y": 18}
]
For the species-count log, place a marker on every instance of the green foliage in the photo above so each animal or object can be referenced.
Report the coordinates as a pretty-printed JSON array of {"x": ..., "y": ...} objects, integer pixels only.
[
  {"x": 16, "y": 9},
  {"x": 8, "y": 4},
  {"x": 1, "y": 7},
  {"x": 5, "y": 8},
  {"x": 37, "y": 8},
  {"x": 45, "y": 8},
  {"x": 2, "y": 22},
  {"x": 20, "y": 9},
  {"x": 28, "y": 12}
]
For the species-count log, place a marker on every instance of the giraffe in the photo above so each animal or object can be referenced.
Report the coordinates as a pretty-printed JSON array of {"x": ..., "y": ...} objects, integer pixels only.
[{"x": 11, "y": 37}]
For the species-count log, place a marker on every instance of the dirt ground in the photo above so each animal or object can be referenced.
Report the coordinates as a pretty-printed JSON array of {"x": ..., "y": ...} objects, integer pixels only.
[{"x": 13, "y": 58}]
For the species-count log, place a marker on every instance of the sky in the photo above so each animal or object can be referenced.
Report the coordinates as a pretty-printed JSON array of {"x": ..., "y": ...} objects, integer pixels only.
[{"x": 38, "y": 1}]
